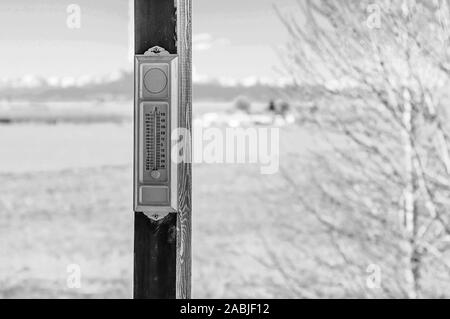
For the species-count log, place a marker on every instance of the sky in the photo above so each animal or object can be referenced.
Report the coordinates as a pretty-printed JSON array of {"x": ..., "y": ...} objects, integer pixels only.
[{"x": 233, "y": 39}]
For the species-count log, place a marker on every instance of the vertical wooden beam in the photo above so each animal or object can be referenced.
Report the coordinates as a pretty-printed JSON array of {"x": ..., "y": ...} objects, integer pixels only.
[
  {"x": 184, "y": 225},
  {"x": 155, "y": 24},
  {"x": 162, "y": 250},
  {"x": 154, "y": 257}
]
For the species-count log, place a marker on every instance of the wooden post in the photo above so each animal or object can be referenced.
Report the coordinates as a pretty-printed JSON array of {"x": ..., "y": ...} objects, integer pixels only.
[{"x": 162, "y": 251}]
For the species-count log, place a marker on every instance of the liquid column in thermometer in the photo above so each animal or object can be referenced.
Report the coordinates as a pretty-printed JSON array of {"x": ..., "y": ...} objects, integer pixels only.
[{"x": 155, "y": 140}]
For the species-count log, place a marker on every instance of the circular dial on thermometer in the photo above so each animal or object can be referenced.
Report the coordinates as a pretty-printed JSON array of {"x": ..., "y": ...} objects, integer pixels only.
[{"x": 155, "y": 81}]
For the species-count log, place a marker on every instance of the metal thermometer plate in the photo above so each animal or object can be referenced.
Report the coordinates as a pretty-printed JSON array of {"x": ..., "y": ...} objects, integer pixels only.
[{"x": 156, "y": 105}]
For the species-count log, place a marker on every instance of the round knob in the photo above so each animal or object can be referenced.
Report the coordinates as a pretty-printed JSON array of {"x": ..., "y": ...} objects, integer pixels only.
[
  {"x": 155, "y": 81},
  {"x": 156, "y": 174}
]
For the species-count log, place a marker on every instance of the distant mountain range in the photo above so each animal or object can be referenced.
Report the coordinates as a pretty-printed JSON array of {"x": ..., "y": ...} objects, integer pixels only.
[{"x": 119, "y": 86}]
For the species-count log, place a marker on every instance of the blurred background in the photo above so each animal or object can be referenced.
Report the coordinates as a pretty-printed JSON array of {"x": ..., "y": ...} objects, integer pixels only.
[{"x": 360, "y": 206}]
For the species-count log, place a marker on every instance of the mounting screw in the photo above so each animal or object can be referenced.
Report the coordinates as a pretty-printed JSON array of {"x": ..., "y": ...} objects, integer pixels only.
[{"x": 156, "y": 216}]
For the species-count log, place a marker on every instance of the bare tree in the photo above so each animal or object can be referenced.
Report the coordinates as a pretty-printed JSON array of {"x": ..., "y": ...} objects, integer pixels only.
[{"x": 381, "y": 187}]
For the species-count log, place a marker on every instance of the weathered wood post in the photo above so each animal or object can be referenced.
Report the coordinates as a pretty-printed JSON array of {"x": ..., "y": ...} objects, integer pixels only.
[{"x": 162, "y": 187}]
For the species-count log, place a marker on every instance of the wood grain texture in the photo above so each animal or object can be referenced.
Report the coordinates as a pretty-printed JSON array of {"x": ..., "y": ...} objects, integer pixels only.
[
  {"x": 155, "y": 24},
  {"x": 154, "y": 257},
  {"x": 155, "y": 242},
  {"x": 184, "y": 222}
]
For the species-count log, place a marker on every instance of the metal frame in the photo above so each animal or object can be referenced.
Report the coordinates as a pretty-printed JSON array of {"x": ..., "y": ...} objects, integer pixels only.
[{"x": 156, "y": 212}]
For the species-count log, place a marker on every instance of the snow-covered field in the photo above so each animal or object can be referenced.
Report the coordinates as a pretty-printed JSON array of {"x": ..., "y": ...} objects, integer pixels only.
[
  {"x": 65, "y": 198},
  {"x": 41, "y": 147}
]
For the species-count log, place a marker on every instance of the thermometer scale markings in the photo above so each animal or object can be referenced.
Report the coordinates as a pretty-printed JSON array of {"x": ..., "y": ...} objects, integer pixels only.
[{"x": 155, "y": 141}]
